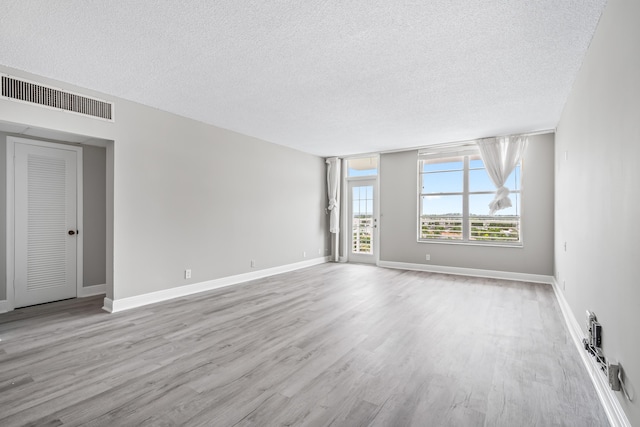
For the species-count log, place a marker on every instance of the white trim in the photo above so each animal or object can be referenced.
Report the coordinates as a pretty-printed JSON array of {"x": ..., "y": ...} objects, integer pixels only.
[
  {"x": 466, "y": 193},
  {"x": 345, "y": 226},
  {"x": 357, "y": 257},
  {"x": 5, "y": 306},
  {"x": 108, "y": 305},
  {"x": 10, "y": 211},
  {"x": 89, "y": 291},
  {"x": 9, "y": 226},
  {"x": 345, "y": 241},
  {"x": 121, "y": 304},
  {"x": 109, "y": 217},
  {"x": 79, "y": 217},
  {"x": 461, "y": 271},
  {"x": 609, "y": 401}
]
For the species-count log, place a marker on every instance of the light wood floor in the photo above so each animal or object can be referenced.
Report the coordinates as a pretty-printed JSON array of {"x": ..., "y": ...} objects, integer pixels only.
[{"x": 336, "y": 344}]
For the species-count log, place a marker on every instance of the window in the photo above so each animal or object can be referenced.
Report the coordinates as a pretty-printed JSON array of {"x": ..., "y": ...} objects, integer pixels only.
[
  {"x": 363, "y": 166},
  {"x": 454, "y": 197}
]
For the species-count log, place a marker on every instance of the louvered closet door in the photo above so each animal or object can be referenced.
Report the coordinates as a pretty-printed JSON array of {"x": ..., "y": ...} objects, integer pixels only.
[{"x": 45, "y": 213}]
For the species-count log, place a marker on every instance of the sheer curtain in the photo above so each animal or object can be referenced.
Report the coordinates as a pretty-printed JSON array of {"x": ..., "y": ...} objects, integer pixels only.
[
  {"x": 500, "y": 156},
  {"x": 333, "y": 192}
]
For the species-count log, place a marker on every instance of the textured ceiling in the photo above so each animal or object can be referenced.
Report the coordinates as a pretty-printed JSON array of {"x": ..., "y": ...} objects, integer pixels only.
[{"x": 327, "y": 77}]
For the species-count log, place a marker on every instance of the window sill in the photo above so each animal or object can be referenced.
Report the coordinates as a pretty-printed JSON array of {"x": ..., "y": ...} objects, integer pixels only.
[{"x": 518, "y": 245}]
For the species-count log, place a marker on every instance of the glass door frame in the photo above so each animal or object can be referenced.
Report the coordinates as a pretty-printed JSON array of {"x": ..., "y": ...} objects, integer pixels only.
[{"x": 350, "y": 183}]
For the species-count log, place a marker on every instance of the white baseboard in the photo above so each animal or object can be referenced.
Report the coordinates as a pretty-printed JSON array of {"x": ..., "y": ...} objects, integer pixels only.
[
  {"x": 491, "y": 274},
  {"x": 609, "y": 401},
  {"x": 5, "y": 306},
  {"x": 113, "y": 306},
  {"x": 107, "y": 305},
  {"x": 89, "y": 291},
  {"x": 86, "y": 291}
]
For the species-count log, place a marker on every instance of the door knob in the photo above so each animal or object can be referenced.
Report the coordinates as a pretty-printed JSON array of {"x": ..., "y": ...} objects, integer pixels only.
[{"x": 71, "y": 232}]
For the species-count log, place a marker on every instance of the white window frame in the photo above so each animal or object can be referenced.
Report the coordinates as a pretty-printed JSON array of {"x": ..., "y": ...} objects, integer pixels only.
[{"x": 463, "y": 152}]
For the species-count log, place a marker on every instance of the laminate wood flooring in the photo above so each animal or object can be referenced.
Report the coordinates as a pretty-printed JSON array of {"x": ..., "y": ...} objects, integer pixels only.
[{"x": 335, "y": 344}]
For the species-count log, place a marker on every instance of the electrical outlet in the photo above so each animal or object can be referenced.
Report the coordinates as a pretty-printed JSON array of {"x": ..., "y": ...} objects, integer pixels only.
[
  {"x": 304, "y": 254},
  {"x": 187, "y": 274},
  {"x": 253, "y": 263},
  {"x": 428, "y": 257}
]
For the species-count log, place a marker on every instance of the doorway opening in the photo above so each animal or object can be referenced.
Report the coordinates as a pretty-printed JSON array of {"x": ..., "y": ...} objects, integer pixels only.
[
  {"x": 57, "y": 235},
  {"x": 362, "y": 207}
]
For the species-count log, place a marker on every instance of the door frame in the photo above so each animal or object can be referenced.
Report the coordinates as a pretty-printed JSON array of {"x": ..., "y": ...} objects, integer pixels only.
[
  {"x": 357, "y": 181},
  {"x": 10, "y": 212}
]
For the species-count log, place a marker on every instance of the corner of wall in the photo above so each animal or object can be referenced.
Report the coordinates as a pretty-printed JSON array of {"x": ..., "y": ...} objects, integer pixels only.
[
  {"x": 610, "y": 403},
  {"x": 5, "y": 306}
]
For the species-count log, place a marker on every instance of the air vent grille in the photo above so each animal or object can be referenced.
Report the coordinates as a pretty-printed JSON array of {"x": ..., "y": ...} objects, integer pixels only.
[{"x": 31, "y": 92}]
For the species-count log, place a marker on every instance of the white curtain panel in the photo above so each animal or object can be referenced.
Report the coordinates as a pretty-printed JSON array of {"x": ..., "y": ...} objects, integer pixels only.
[
  {"x": 500, "y": 156},
  {"x": 333, "y": 192}
]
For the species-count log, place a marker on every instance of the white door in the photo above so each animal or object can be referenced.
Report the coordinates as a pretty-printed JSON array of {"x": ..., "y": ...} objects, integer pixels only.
[
  {"x": 45, "y": 223},
  {"x": 363, "y": 220}
]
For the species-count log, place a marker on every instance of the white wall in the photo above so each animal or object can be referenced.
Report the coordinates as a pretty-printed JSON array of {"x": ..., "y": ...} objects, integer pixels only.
[
  {"x": 191, "y": 195},
  {"x": 398, "y": 220},
  {"x": 94, "y": 163},
  {"x": 597, "y": 203}
]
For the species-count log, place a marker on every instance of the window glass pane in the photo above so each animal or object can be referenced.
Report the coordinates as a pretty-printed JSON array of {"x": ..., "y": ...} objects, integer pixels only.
[
  {"x": 362, "y": 219},
  {"x": 513, "y": 182},
  {"x": 441, "y": 205},
  {"x": 442, "y": 165},
  {"x": 479, "y": 181},
  {"x": 479, "y": 205},
  {"x": 441, "y": 216},
  {"x": 365, "y": 166},
  {"x": 476, "y": 163},
  {"x": 443, "y": 182},
  {"x": 441, "y": 228},
  {"x": 495, "y": 229}
]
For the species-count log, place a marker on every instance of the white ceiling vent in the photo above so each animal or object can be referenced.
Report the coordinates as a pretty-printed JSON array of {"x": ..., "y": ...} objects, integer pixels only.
[{"x": 34, "y": 93}]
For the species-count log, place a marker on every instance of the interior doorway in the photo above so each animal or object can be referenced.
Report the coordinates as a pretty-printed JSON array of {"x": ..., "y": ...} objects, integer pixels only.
[
  {"x": 45, "y": 207},
  {"x": 93, "y": 232}
]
